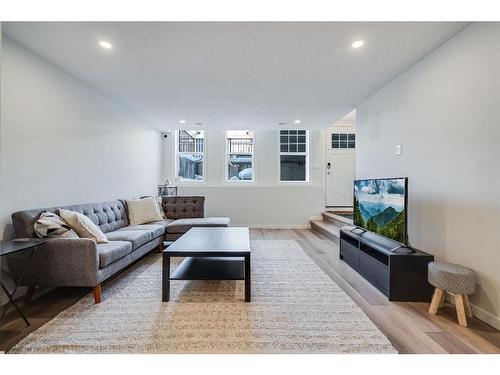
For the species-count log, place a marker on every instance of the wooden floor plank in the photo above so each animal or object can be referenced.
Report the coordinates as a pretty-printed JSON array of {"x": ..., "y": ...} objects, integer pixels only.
[{"x": 451, "y": 343}]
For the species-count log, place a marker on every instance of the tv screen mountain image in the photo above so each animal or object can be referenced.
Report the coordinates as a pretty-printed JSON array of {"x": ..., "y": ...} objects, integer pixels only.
[{"x": 380, "y": 206}]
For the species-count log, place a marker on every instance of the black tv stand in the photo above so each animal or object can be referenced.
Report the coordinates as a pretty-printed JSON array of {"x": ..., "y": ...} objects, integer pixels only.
[{"x": 401, "y": 276}]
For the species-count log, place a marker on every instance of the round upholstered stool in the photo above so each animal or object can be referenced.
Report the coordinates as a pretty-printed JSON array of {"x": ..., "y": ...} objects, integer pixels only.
[{"x": 456, "y": 279}]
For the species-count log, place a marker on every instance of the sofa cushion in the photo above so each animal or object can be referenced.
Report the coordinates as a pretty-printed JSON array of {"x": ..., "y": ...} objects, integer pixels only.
[
  {"x": 136, "y": 237},
  {"x": 156, "y": 229},
  {"x": 109, "y": 216},
  {"x": 112, "y": 251},
  {"x": 183, "y": 225},
  {"x": 163, "y": 223},
  {"x": 183, "y": 207}
]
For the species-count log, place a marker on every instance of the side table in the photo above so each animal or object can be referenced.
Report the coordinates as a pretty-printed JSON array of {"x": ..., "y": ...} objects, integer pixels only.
[{"x": 15, "y": 246}]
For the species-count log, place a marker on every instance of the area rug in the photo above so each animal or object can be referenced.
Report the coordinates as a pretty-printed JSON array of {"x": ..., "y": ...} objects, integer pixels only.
[{"x": 295, "y": 308}]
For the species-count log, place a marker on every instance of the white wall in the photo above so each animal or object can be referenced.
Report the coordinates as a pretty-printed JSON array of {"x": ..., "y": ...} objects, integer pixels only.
[
  {"x": 445, "y": 111},
  {"x": 267, "y": 203},
  {"x": 64, "y": 143}
]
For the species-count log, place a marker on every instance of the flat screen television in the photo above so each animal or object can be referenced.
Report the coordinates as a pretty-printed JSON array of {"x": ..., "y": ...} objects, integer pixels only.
[{"x": 380, "y": 206}]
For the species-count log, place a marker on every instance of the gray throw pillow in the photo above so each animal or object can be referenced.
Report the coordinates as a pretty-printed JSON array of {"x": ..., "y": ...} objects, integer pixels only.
[{"x": 50, "y": 225}]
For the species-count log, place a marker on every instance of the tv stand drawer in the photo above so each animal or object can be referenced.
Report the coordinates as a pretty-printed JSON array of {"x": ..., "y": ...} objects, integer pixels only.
[
  {"x": 350, "y": 253},
  {"x": 376, "y": 272}
]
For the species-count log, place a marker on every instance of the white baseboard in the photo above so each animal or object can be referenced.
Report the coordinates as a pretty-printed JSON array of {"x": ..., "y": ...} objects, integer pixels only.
[{"x": 479, "y": 313}]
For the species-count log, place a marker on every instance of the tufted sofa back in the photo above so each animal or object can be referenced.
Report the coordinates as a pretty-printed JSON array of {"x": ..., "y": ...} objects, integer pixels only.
[
  {"x": 182, "y": 207},
  {"x": 109, "y": 216}
]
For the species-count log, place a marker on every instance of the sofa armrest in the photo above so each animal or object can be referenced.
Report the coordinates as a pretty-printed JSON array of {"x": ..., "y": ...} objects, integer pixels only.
[
  {"x": 60, "y": 262},
  {"x": 184, "y": 207}
]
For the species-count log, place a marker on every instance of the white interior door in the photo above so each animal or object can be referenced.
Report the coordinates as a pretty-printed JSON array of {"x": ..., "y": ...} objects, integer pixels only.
[{"x": 340, "y": 166}]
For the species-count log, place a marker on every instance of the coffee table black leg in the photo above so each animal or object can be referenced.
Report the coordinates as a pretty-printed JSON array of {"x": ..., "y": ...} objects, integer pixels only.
[
  {"x": 166, "y": 278},
  {"x": 248, "y": 282}
]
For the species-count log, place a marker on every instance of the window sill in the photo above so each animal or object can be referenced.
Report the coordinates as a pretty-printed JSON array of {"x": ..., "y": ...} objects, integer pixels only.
[
  {"x": 191, "y": 183},
  {"x": 240, "y": 183},
  {"x": 296, "y": 183}
]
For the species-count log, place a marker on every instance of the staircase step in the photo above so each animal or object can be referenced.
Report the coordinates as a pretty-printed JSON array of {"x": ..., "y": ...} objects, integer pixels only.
[
  {"x": 338, "y": 220},
  {"x": 327, "y": 229}
]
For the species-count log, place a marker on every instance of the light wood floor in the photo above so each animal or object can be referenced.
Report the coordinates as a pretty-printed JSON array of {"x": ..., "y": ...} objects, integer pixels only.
[{"x": 407, "y": 325}]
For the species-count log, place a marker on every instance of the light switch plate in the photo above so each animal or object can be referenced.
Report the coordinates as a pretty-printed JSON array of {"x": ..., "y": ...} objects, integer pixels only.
[{"x": 398, "y": 149}]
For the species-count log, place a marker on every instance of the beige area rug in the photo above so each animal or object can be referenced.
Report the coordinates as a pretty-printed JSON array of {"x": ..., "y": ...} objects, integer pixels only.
[{"x": 295, "y": 308}]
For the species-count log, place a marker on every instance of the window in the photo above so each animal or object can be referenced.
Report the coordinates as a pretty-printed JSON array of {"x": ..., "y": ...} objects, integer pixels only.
[
  {"x": 294, "y": 164},
  {"x": 342, "y": 140},
  {"x": 190, "y": 155},
  {"x": 239, "y": 155}
]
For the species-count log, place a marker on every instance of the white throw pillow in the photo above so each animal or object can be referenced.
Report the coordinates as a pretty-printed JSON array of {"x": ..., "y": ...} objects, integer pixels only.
[
  {"x": 83, "y": 226},
  {"x": 141, "y": 211},
  {"x": 50, "y": 225}
]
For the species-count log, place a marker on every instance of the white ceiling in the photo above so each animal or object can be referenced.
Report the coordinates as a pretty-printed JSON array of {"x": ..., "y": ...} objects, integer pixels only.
[{"x": 235, "y": 75}]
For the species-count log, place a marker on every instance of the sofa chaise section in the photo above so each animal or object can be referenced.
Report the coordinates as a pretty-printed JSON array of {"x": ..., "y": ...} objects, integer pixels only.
[{"x": 186, "y": 212}]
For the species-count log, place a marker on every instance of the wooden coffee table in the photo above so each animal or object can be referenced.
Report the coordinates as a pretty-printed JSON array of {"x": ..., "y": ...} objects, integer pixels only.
[{"x": 211, "y": 254}]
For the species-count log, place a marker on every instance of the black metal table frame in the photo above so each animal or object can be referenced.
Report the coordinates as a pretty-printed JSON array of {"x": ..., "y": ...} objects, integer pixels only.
[
  {"x": 166, "y": 269},
  {"x": 18, "y": 283}
]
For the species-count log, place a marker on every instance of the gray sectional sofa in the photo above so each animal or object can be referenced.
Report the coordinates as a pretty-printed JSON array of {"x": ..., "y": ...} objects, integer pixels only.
[{"x": 83, "y": 262}]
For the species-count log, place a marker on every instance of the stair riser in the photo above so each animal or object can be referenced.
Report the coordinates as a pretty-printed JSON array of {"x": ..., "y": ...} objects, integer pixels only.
[
  {"x": 334, "y": 221},
  {"x": 325, "y": 233}
]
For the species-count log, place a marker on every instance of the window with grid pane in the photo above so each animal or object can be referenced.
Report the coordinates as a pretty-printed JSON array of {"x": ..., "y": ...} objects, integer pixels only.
[
  {"x": 239, "y": 156},
  {"x": 343, "y": 140},
  {"x": 294, "y": 155},
  {"x": 190, "y": 155}
]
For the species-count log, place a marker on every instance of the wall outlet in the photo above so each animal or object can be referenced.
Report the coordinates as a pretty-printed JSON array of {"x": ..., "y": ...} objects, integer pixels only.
[{"x": 398, "y": 149}]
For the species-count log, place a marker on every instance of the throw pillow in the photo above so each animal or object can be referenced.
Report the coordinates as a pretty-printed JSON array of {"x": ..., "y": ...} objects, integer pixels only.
[
  {"x": 141, "y": 211},
  {"x": 83, "y": 226},
  {"x": 159, "y": 201},
  {"x": 50, "y": 225}
]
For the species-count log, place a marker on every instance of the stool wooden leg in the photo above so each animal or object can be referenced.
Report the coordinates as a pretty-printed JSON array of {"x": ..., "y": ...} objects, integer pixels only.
[
  {"x": 459, "y": 304},
  {"x": 436, "y": 300},
  {"x": 468, "y": 309},
  {"x": 441, "y": 302}
]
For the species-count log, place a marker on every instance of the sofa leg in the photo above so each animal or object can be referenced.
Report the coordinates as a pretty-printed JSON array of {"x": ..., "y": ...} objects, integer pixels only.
[
  {"x": 29, "y": 294},
  {"x": 97, "y": 293},
  {"x": 160, "y": 247}
]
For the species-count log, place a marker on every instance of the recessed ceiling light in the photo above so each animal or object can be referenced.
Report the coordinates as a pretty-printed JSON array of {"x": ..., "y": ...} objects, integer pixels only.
[
  {"x": 182, "y": 121},
  {"x": 105, "y": 44},
  {"x": 358, "y": 44},
  {"x": 296, "y": 122}
]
